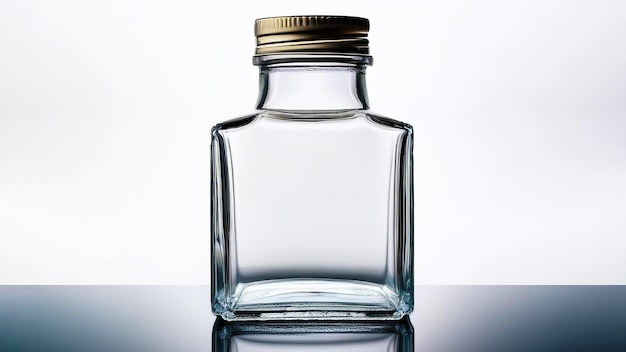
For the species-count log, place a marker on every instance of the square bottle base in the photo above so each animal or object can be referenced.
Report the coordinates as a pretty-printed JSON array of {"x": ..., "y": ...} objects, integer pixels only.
[{"x": 313, "y": 299}]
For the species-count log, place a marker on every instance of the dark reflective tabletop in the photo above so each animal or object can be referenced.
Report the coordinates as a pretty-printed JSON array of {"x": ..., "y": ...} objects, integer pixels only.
[{"x": 446, "y": 318}]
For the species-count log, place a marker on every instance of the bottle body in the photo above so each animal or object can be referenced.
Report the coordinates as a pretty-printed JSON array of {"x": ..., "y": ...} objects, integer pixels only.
[{"x": 312, "y": 216}]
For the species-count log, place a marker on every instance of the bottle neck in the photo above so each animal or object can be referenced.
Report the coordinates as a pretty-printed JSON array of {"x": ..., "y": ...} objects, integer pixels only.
[{"x": 312, "y": 87}]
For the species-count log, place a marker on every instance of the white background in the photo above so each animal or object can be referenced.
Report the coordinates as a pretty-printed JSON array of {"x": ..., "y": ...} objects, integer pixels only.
[{"x": 519, "y": 109}]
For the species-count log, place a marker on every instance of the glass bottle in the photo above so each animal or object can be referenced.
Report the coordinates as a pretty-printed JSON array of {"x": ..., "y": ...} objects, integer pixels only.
[{"x": 312, "y": 201}]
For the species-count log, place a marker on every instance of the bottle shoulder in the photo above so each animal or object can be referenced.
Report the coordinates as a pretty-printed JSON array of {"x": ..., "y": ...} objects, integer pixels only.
[
  {"x": 389, "y": 122},
  {"x": 345, "y": 119},
  {"x": 235, "y": 123}
]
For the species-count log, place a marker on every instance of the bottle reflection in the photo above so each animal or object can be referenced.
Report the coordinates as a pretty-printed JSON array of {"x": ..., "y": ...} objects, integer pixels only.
[{"x": 393, "y": 336}]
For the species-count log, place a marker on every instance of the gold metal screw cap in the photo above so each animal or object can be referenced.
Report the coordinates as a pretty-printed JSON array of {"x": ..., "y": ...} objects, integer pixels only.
[{"x": 306, "y": 34}]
